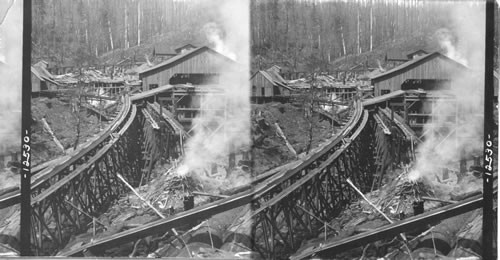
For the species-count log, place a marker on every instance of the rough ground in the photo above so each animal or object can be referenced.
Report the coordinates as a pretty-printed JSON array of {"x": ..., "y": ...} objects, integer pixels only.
[
  {"x": 166, "y": 191},
  {"x": 63, "y": 122},
  {"x": 269, "y": 149},
  {"x": 396, "y": 196}
]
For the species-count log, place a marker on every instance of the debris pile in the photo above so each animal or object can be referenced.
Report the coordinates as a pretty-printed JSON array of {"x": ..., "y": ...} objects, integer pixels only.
[
  {"x": 167, "y": 194},
  {"x": 399, "y": 198},
  {"x": 88, "y": 76}
]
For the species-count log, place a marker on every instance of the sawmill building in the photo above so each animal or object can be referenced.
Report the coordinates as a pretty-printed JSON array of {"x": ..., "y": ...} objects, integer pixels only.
[
  {"x": 196, "y": 66},
  {"x": 424, "y": 72}
]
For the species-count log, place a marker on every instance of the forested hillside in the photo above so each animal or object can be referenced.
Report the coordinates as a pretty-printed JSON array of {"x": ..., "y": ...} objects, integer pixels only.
[
  {"x": 77, "y": 32},
  {"x": 314, "y": 32},
  {"x": 308, "y": 32}
]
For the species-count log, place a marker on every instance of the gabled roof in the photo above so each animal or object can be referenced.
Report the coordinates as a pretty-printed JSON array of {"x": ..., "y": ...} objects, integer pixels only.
[
  {"x": 182, "y": 57},
  {"x": 412, "y": 64}
]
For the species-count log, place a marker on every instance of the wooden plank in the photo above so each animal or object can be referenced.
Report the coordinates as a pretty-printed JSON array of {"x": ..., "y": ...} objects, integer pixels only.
[
  {"x": 159, "y": 226},
  {"x": 46, "y": 126},
  {"x": 10, "y": 199},
  {"x": 237, "y": 200},
  {"x": 330, "y": 248},
  {"x": 80, "y": 169},
  {"x": 150, "y": 119}
]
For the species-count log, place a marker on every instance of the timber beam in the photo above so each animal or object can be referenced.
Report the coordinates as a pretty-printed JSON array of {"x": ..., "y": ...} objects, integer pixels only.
[{"x": 329, "y": 249}]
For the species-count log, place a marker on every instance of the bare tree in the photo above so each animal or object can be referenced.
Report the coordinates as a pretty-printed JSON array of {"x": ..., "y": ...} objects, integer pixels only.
[{"x": 76, "y": 104}]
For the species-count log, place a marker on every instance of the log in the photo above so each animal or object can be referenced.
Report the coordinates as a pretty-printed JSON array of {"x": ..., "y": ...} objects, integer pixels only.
[
  {"x": 439, "y": 200},
  {"x": 151, "y": 206},
  {"x": 463, "y": 196},
  {"x": 442, "y": 237},
  {"x": 10, "y": 231},
  {"x": 375, "y": 207},
  {"x": 282, "y": 135},
  {"x": 47, "y": 128},
  {"x": 207, "y": 235},
  {"x": 209, "y": 194},
  {"x": 470, "y": 237},
  {"x": 150, "y": 119},
  {"x": 139, "y": 196}
]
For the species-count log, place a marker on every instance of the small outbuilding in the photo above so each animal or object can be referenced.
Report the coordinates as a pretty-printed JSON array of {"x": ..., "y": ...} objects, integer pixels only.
[
  {"x": 41, "y": 78},
  {"x": 269, "y": 85}
]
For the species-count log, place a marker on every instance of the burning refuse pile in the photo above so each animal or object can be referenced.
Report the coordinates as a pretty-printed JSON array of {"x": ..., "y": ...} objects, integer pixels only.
[
  {"x": 399, "y": 198},
  {"x": 168, "y": 194},
  {"x": 406, "y": 196}
]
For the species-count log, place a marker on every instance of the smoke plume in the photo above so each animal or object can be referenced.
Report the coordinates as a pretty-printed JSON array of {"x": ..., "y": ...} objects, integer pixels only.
[
  {"x": 223, "y": 125},
  {"x": 455, "y": 129},
  {"x": 10, "y": 73}
]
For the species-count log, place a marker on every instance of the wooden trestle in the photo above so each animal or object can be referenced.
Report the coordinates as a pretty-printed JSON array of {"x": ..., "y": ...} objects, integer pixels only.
[{"x": 288, "y": 207}]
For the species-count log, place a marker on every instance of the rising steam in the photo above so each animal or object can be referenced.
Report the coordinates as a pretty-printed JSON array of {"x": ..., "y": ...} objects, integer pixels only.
[
  {"x": 447, "y": 41},
  {"x": 10, "y": 73},
  {"x": 214, "y": 36},
  {"x": 217, "y": 133},
  {"x": 443, "y": 147}
]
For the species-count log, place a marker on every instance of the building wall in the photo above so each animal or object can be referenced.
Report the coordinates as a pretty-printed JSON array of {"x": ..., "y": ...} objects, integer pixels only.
[
  {"x": 436, "y": 68},
  {"x": 204, "y": 62},
  {"x": 35, "y": 83},
  {"x": 260, "y": 82},
  {"x": 495, "y": 86},
  {"x": 285, "y": 92}
]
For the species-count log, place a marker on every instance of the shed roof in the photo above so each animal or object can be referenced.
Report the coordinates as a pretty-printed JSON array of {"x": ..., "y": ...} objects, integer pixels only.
[
  {"x": 273, "y": 79},
  {"x": 182, "y": 57},
  {"x": 388, "y": 96},
  {"x": 41, "y": 73},
  {"x": 185, "y": 46},
  {"x": 276, "y": 76},
  {"x": 395, "y": 55},
  {"x": 163, "y": 49},
  {"x": 412, "y": 64},
  {"x": 412, "y": 53}
]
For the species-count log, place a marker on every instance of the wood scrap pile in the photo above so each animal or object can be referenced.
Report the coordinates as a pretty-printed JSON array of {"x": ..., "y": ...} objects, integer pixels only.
[
  {"x": 396, "y": 200},
  {"x": 166, "y": 194},
  {"x": 397, "y": 197},
  {"x": 168, "y": 191}
]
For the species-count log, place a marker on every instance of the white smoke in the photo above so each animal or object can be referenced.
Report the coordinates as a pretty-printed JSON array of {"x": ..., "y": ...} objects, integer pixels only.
[
  {"x": 10, "y": 73},
  {"x": 447, "y": 42},
  {"x": 456, "y": 127},
  {"x": 223, "y": 125},
  {"x": 214, "y": 36}
]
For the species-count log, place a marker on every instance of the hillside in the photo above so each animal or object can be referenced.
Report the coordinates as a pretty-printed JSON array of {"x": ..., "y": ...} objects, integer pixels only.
[{"x": 371, "y": 59}]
